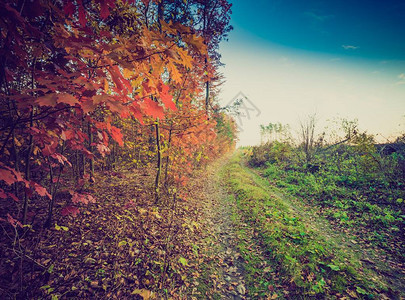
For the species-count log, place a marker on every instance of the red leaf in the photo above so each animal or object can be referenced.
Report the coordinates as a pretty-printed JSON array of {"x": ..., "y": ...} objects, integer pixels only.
[
  {"x": 119, "y": 81},
  {"x": 82, "y": 14},
  {"x": 7, "y": 176},
  {"x": 69, "y": 210},
  {"x": 68, "y": 135},
  {"x": 166, "y": 98},
  {"x": 13, "y": 221},
  {"x": 68, "y": 99},
  {"x": 104, "y": 10},
  {"x": 63, "y": 135},
  {"x": 69, "y": 8},
  {"x": 103, "y": 149},
  {"x": 105, "y": 138},
  {"x": 48, "y": 100},
  {"x": 117, "y": 135},
  {"x": 40, "y": 190},
  {"x": 49, "y": 149},
  {"x": 88, "y": 154},
  {"x": 136, "y": 112},
  {"x": 14, "y": 197},
  {"x": 153, "y": 109},
  {"x": 83, "y": 198},
  {"x": 88, "y": 105},
  {"x": 3, "y": 195}
]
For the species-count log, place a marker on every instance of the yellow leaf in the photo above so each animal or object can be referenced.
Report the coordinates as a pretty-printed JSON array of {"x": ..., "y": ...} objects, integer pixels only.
[
  {"x": 174, "y": 73},
  {"x": 106, "y": 85},
  {"x": 145, "y": 294},
  {"x": 156, "y": 214},
  {"x": 187, "y": 60},
  {"x": 122, "y": 243},
  {"x": 142, "y": 211},
  {"x": 128, "y": 73},
  {"x": 17, "y": 142}
]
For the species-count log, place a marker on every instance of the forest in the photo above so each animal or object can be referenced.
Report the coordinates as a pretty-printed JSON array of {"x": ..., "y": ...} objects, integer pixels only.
[{"x": 120, "y": 177}]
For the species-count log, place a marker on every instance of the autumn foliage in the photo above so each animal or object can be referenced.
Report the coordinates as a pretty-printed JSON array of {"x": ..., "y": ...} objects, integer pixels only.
[
  {"x": 86, "y": 85},
  {"x": 97, "y": 86}
]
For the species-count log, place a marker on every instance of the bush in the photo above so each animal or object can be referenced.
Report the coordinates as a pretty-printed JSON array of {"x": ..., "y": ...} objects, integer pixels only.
[{"x": 274, "y": 152}]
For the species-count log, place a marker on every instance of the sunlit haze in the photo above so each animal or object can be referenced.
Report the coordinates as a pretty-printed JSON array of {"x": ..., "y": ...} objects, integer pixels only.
[{"x": 339, "y": 75}]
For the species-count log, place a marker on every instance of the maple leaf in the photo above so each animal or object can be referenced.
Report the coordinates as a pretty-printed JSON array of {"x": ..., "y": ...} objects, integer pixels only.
[
  {"x": 68, "y": 135},
  {"x": 117, "y": 135},
  {"x": 145, "y": 294},
  {"x": 105, "y": 138},
  {"x": 13, "y": 221},
  {"x": 7, "y": 176},
  {"x": 40, "y": 190},
  {"x": 82, "y": 14},
  {"x": 174, "y": 72},
  {"x": 10, "y": 176},
  {"x": 48, "y": 100},
  {"x": 136, "y": 112},
  {"x": 97, "y": 99},
  {"x": 69, "y": 210},
  {"x": 83, "y": 198},
  {"x": 152, "y": 108},
  {"x": 103, "y": 149},
  {"x": 119, "y": 81},
  {"x": 69, "y": 8},
  {"x": 186, "y": 59},
  {"x": 196, "y": 41},
  {"x": 166, "y": 98},
  {"x": 61, "y": 158},
  {"x": 115, "y": 105},
  {"x": 88, "y": 106},
  {"x": 104, "y": 11}
]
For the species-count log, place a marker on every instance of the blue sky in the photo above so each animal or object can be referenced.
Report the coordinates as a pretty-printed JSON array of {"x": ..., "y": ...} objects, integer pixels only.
[{"x": 334, "y": 58}]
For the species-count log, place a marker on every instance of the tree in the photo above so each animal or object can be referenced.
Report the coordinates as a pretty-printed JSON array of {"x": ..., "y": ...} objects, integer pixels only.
[
  {"x": 72, "y": 74},
  {"x": 308, "y": 137}
]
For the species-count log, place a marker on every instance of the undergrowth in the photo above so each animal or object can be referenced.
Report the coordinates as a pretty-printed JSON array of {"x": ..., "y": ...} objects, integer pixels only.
[{"x": 308, "y": 263}]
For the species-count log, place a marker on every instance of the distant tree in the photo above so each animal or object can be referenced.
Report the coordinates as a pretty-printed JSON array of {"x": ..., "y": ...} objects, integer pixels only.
[
  {"x": 308, "y": 137},
  {"x": 275, "y": 132}
]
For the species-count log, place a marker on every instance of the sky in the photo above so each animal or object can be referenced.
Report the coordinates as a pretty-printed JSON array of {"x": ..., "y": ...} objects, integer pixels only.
[{"x": 336, "y": 59}]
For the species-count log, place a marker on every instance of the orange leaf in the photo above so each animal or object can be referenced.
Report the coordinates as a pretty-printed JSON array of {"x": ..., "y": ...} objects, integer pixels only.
[
  {"x": 48, "y": 100},
  {"x": 106, "y": 85},
  {"x": 153, "y": 109},
  {"x": 174, "y": 73},
  {"x": 88, "y": 105},
  {"x": 117, "y": 135},
  {"x": 68, "y": 99},
  {"x": 166, "y": 98}
]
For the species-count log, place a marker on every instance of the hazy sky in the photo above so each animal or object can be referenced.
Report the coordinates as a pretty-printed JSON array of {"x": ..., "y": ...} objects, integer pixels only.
[{"x": 334, "y": 58}]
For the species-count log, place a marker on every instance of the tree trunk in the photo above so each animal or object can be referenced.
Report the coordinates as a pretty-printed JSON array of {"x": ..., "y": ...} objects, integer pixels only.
[
  {"x": 91, "y": 149},
  {"x": 159, "y": 161},
  {"x": 28, "y": 169}
]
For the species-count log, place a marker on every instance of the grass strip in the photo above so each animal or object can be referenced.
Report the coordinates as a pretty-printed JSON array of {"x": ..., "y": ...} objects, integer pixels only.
[{"x": 308, "y": 263}]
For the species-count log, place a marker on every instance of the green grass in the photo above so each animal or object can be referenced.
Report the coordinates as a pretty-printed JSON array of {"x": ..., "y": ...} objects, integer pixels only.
[
  {"x": 308, "y": 262},
  {"x": 258, "y": 275},
  {"x": 365, "y": 211}
]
